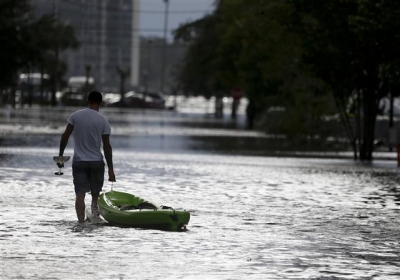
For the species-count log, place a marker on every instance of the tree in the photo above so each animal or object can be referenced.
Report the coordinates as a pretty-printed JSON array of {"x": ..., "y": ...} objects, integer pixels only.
[
  {"x": 123, "y": 74},
  {"x": 257, "y": 52},
  {"x": 247, "y": 44},
  {"x": 31, "y": 44},
  {"x": 352, "y": 46},
  {"x": 222, "y": 55},
  {"x": 13, "y": 16},
  {"x": 196, "y": 75},
  {"x": 294, "y": 53}
]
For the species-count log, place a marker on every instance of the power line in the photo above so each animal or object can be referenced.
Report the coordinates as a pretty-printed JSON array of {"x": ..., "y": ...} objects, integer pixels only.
[
  {"x": 124, "y": 9},
  {"x": 156, "y": 30},
  {"x": 113, "y": 44},
  {"x": 172, "y": 12}
]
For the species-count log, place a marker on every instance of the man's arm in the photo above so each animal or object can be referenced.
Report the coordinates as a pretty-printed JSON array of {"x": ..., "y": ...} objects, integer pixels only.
[
  {"x": 64, "y": 141},
  {"x": 108, "y": 155}
]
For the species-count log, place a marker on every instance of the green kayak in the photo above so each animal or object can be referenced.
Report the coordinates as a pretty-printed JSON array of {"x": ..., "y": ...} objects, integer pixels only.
[{"x": 128, "y": 210}]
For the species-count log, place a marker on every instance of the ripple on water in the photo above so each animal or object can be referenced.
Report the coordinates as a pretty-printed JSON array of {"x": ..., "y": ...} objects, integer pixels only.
[{"x": 259, "y": 218}]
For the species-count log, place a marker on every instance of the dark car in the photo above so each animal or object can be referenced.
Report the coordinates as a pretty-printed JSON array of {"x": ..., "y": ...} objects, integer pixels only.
[
  {"x": 73, "y": 98},
  {"x": 155, "y": 100},
  {"x": 139, "y": 100}
]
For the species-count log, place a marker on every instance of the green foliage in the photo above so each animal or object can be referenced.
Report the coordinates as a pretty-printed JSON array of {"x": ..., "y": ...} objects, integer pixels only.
[
  {"x": 262, "y": 57},
  {"x": 28, "y": 43},
  {"x": 296, "y": 54},
  {"x": 242, "y": 44},
  {"x": 197, "y": 75},
  {"x": 248, "y": 45},
  {"x": 12, "y": 18},
  {"x": 305, "y": 117},
  {"x": 352, "y": 46}
]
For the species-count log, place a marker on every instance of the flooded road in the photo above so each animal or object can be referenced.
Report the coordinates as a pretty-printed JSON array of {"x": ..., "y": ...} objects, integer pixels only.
[{"x": 252, "y": 217}]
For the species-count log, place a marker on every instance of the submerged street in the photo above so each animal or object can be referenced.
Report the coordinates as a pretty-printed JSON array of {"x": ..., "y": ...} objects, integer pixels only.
[{"x": 253, "y": 215}]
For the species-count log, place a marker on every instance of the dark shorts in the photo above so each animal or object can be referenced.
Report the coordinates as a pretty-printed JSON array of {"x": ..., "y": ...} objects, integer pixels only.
[{"x": 88, "y": 176}]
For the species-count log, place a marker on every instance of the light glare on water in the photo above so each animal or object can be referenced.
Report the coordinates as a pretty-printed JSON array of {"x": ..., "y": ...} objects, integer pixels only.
[{"x": 251, "y": 217}]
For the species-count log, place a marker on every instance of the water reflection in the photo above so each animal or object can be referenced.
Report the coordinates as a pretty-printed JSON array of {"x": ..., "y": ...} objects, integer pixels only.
[
  {"x": 150, "y": 130},
  {"x": 388, "y": 193}
]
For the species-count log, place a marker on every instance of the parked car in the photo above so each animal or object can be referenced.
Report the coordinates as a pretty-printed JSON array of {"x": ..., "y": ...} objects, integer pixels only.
[
  {"x": 155, "y": 100},
  {"x": 76, "y": 92},
  {"x": 73, "y": 97},
  {"x": 140, "y": 100}
]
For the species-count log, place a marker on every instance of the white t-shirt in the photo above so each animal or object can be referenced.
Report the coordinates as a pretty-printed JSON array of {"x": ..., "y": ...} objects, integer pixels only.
[{"x": 89, "y": 126}]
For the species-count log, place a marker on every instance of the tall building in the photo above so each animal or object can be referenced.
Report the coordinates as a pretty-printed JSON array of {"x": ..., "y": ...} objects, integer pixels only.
[{"x": 107, "y": 31}]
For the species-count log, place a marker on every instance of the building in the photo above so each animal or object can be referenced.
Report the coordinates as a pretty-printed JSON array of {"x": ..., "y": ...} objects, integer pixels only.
[{"x": 108, "y": 34}]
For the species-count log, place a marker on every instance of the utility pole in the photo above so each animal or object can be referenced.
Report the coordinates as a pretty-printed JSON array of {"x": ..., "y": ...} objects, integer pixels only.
[
  {"x": 164, "y": 49},
  {"x": 146, "y": 73},
  {"x": 88, "y": 68},
  {"x": 56, "y": 55},
  {"x": 123, "y": 74},
  {"x": 135, "y": 47},
  {"x": 392, "y": 132}
]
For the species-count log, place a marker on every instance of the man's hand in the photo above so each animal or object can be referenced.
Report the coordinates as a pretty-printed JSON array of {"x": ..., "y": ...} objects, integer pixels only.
[{"x": 111, "y": 176}]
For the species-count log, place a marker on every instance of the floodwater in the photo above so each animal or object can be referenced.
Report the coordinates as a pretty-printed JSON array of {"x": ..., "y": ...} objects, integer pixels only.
[{"x": 252, "y": 216}]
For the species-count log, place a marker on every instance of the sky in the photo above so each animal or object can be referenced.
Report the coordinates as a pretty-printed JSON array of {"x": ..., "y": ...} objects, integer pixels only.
[{"x": 180, "y": 11}]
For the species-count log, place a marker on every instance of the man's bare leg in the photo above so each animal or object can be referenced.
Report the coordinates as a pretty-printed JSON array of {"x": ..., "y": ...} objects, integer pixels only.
[
  {"x": 80, "y": 207},
  {"x": 95, "y": 211}
]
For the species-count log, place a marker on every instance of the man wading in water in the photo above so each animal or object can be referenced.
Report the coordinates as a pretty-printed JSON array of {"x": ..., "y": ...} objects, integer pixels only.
[{"x": 89, "y": 128}]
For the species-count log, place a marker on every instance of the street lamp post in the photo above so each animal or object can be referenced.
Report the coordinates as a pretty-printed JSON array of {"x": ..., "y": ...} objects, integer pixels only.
[
  {"x": 164, "y": 49},
  {"x": 146, "y": 73},
  {"x": 56, "y": 56}
]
